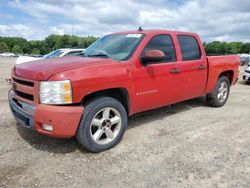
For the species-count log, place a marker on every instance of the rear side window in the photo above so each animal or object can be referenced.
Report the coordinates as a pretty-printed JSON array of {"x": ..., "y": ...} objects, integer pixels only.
[
  {"x": 189, "y": 48},
  {"x": 163, "y": 43}
]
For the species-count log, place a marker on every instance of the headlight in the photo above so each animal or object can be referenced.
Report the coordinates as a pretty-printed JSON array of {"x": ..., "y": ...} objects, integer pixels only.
[{"x": 55, "y": 92}]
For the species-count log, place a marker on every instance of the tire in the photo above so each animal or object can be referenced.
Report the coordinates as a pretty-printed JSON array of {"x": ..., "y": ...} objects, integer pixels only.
[
  {"x": 220, "y": 94},
  {"x": 101, "y": 116}
]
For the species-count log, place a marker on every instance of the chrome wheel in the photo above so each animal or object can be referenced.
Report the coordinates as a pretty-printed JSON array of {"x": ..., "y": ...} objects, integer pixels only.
[
  {"x": 105, "y": 126},
  {"x": 222, "y": 92}
]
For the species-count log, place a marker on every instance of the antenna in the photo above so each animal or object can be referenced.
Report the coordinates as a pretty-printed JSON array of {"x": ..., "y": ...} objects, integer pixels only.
[
  {"x": 140, "y": 29},
  {"x": 72, "y": 27}
]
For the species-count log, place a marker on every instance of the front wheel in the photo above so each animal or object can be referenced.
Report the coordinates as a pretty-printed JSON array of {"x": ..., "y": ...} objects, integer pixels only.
[
  {"x": 220, "y": 94},
  {"x": 103, "y": 124}
]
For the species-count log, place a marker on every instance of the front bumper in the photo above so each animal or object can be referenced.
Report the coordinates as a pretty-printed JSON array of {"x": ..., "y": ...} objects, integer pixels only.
[
  {"x": 63, "y": 119},
  {"x": 22, "y": 112}
]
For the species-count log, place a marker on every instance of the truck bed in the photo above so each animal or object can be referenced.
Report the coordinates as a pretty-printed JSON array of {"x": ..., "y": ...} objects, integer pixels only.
[{"x": 219, "y": 64}]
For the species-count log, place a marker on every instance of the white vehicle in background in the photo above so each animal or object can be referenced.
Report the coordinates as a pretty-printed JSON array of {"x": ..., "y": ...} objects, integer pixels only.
[
  {"x": 57, "y": 53},
  {"x": 244, "y": 59},
  {"x": 8, "y": 54},
  {"x": 246, "y": 75}
]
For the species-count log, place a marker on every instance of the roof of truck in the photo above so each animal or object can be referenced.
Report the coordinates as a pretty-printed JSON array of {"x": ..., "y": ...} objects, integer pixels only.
[{"x": 155, "y": 31}]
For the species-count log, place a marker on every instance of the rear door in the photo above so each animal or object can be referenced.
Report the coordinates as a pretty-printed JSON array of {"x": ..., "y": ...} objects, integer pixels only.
[{"x": 193, "y": 67}]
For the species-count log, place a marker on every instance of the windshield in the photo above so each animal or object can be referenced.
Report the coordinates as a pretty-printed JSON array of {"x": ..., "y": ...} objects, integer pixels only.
[
  {"x": 116, "y": 46},
  {"x": 53, "y": 54}
]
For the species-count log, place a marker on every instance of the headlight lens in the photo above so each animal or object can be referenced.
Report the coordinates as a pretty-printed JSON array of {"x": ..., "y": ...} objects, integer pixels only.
[{"x": 56, "y": 92}]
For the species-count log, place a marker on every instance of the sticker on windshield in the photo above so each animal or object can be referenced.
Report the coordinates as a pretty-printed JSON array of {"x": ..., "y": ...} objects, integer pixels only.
[{"x": 134, "y": 35}]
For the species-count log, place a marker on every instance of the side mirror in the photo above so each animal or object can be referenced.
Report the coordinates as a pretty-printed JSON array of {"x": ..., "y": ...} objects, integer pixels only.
[{"x": 152, "y": 56}]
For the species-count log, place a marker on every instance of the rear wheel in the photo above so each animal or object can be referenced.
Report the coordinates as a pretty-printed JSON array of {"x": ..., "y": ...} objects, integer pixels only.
[
  {"x": 103, "y": 124},
  {"x": 220, "y": 94}
]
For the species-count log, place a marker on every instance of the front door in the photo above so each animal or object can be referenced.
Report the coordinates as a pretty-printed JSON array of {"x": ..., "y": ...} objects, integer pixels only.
[{"x": 155, "y": 83}]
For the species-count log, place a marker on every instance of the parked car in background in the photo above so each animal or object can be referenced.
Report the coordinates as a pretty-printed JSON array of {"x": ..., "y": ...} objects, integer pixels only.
[
  {"x": 244, "y": 59},
  {"x": 121, "y": 74},
  {"x": 8, "y": 54},
  {"x": 57, "y": 53},
  {"x": 246, "y": 75}
]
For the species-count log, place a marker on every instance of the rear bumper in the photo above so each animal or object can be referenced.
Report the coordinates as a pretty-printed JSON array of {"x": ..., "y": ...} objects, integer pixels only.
[{"x": 63, "y": 119}]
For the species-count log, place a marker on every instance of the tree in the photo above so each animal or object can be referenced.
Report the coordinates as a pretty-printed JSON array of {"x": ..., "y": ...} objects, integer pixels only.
[
  {"x": 215, "y": 47},
  {"x": 39, "y": 45},
  {"x": 35, "y": 51},
  {"x": 3, "y": 47},
  {"x": 245, "y": 48},
  {"x": 52, "y": 41},
  {"x": 220, "y": 48},
  {"x": 234, "y": 47},
  {"x": 26, "y": 48},
  {"x": 12, "y": 41},
  {"x": 17, "y": 49}
]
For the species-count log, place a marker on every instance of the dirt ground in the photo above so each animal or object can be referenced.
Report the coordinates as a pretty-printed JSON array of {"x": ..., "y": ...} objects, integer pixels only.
[{"x": 187, "y": 145}]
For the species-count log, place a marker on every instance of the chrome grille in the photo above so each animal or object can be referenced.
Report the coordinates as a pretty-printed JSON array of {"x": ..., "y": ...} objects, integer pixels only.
[{"x": 23, "y": 88}]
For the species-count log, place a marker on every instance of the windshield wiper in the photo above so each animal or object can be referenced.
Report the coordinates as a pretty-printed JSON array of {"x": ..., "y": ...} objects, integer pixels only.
[
  {"x": 81, "y": 55},
  {"x": 98, "y": 55}
]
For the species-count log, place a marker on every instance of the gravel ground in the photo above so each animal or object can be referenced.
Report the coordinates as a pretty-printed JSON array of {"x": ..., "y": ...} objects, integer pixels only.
[{"x": 186, "y": 145}]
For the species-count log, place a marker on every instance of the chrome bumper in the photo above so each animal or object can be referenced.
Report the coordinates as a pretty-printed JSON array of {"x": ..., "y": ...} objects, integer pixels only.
[{"x": 22, "y": 112}]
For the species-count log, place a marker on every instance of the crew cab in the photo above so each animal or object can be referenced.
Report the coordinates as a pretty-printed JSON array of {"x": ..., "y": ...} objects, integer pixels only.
[{"x": 121, "y": 74}]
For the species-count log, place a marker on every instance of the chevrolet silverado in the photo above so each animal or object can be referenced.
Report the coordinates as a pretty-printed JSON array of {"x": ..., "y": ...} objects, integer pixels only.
[{"x": 121, "y": 74}]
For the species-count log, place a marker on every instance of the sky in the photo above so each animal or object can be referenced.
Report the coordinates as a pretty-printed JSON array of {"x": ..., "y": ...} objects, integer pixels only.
[{"x": 223, "y": 20}]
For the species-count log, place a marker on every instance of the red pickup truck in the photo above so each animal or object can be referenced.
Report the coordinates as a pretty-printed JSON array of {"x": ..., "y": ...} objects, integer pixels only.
[{"x": 91, "y": 97}]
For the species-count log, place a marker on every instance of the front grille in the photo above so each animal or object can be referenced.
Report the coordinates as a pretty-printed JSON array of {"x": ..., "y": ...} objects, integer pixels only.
[
  {"x": 25, "y": 95},
  {"x": 24, "y": 82},
  {"x": 23, "y": 88}
]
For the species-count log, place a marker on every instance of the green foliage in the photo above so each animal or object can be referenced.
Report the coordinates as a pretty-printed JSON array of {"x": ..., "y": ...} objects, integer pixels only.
[
  {"x": 3, "y": 47},
  {"x": 12, "y": 41},
  {"x": 52, "y": 42},
  {"x": 220, "y": 48},
  {"x": 245, "y": 48},
  {"x": 234, "y": 47},
  {"x": 216, "y": 47},
  {"x": 35, "y": 51},
  {"x": 26, "y": 47},
  {"x": 17, "y": 49}
]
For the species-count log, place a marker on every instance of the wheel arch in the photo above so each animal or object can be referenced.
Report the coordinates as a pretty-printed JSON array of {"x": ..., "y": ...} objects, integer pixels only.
[
  {"x": 120, "y": 94},
  {"x": 229, "y": 74}
]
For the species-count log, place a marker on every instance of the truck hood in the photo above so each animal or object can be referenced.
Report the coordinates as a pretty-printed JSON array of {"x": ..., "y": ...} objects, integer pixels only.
[{"x": 45, "y": 68}]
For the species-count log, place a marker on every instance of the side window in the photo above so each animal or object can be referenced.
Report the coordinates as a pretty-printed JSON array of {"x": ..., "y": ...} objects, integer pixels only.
[
  {"x": 163, "y": 43},
  {"x": 189, "y": 48}
]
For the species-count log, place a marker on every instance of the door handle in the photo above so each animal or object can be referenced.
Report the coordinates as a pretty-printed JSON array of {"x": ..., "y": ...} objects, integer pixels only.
[
  {"x": 201, "y": 67},
  {"x": 175, "y": 70}
]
